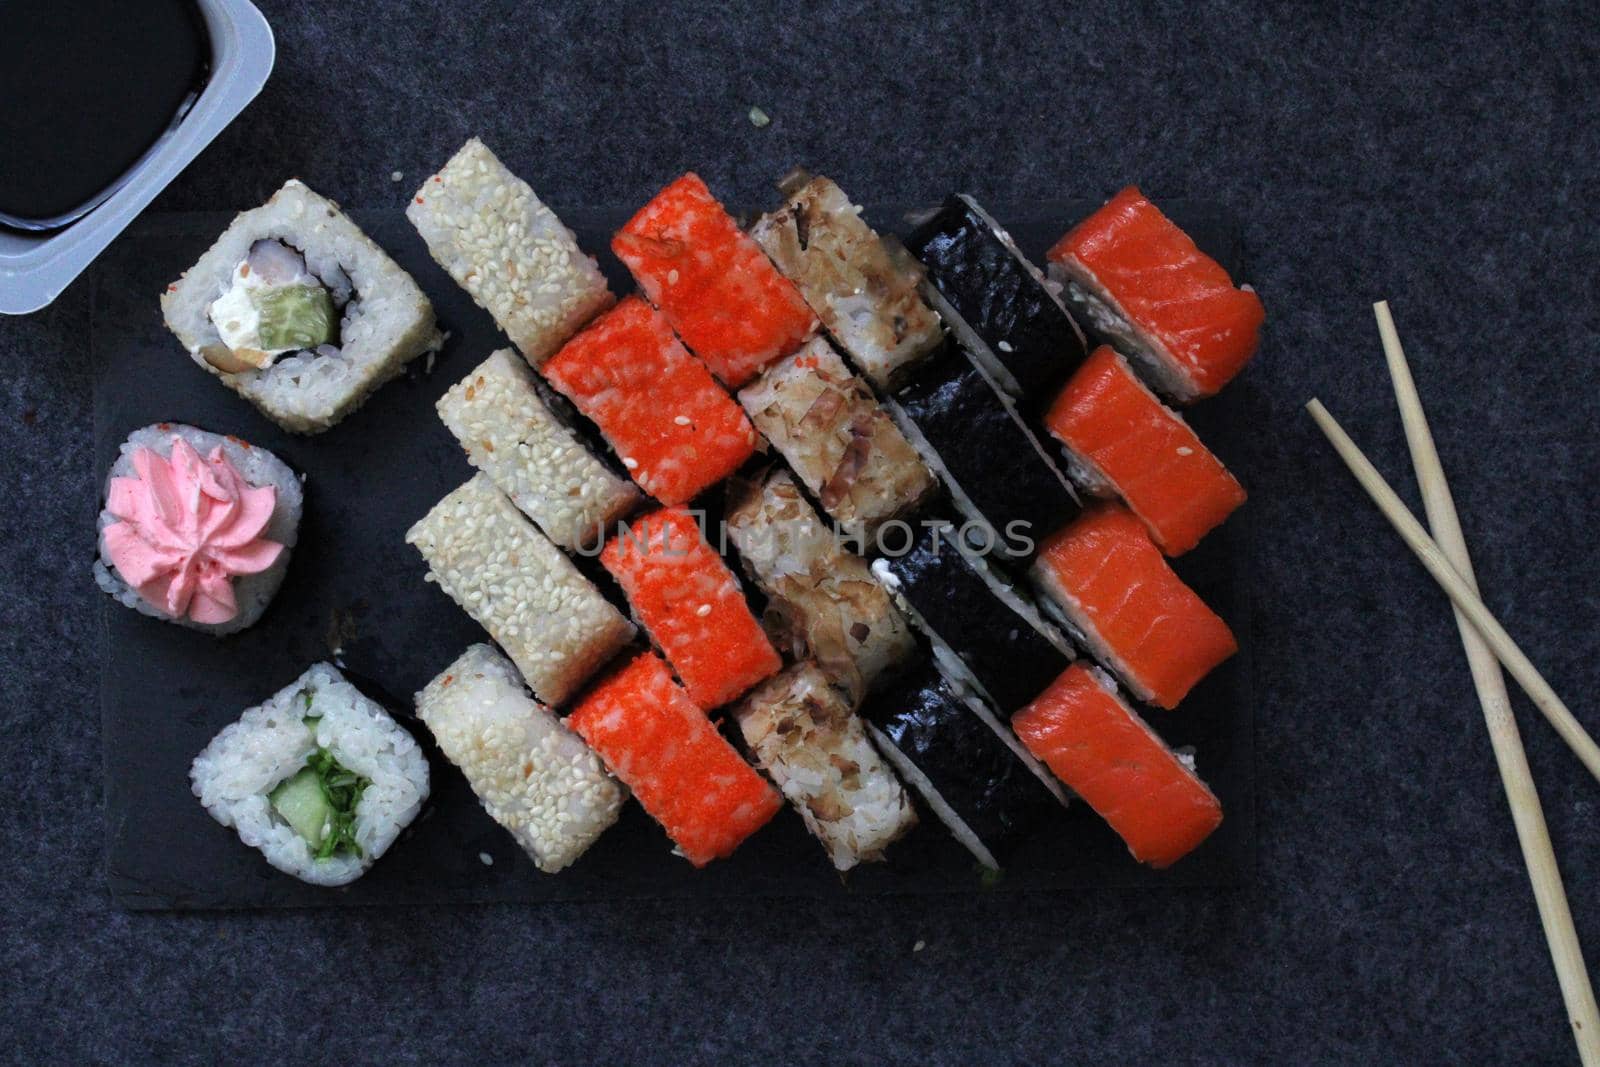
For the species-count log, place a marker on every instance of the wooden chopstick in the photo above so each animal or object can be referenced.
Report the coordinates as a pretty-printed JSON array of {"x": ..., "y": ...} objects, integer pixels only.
[
  {"x": 1522, "y": 669},
  {"x": 1526, "y": 812}
]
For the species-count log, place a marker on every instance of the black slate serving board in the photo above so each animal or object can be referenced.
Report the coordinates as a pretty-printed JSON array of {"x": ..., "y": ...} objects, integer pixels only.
[{"x": 354, "y": 586}]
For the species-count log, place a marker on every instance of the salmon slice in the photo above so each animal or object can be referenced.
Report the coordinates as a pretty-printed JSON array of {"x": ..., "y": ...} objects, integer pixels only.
[
  {"x": 685, "y": 774},
  {"x": 676, "y": 430},
  {"x": 1081, "y": 729},
  {"x": 691, "y": 603},
  {"x": 1141, "y": 283},
  {"x": 1111, "y": 586},
  {"x": 1123, "y": 440},
  {"x": 712, "y": 282}
]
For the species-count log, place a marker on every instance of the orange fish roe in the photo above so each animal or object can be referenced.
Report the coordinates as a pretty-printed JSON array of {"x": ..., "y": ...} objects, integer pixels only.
[
  {"x": 1103, "y": 751},
  {"x": 1145, "y": 453},
  {"x": 690, "y": 602},
  {"x": 1179, "y": 301},
  {"x": 712, "y": 282},
  {"x": 675, "y": 429},
  {"x": 684, "y": 773},
  {"x": 1138, "y": 617}
]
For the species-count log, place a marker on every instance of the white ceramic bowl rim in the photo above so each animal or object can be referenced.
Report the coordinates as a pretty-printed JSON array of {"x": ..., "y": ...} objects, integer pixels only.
[{"x": 36, "y": 267}]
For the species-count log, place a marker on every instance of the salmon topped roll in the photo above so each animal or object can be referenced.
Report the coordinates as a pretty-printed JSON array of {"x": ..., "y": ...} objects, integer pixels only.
[
  {"x": 1109, "y": 584},
  {"x": 1141, "y": 283},
  {"x": 687, "y": 776},
  {"x": 1093, "y": 741},
  {"x": 712, "y": 282},
  {"x": 676, "y": 431},
  {"x": 691, "y": 604},
  {"x": 1121, "y": 440}
]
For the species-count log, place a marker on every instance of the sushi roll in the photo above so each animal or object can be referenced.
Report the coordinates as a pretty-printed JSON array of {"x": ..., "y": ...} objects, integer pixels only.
[
  {"x": 828, "y": 425},
  {"x": 1121, "y": 440},
  {"x": 197, "y": 527},
  {"x": 1111, "y": 587},
  {"x": 534, "y": 776},
  {"x": 299, "y": 312},
  {"x": 803, "y": 733},
  {"x": 685, "y": 774},
  {"x": 975, "y": 783},
  {"x": 1100, "y": 747},
  {"x": 508, "y": 426},
  {"x": 985, "y": 631},
  {"x": 1140, "y": 283},
  {"x": 675, "y": 429},
  {"x": 318, "y": 778},
  {"x": 822, "y": 601},
  {"x": 552, "y": 621},
  {"x": 865, "y": 298},
  {"x": 989, "y": 291},
  {"x": 1001, "y": 478},
  {"x": 489, "y": 230},
  {"x": 691, "y": 604},
  {"x": 712, "y": 282}
]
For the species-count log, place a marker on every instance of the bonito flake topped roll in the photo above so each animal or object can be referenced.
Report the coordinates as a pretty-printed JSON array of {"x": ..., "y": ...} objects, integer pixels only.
[
  {"x": 804, "y": 735},
  {"x": 299, "y": 312},
  {"x": 867, "y": 299},
  {"x": 319, "y": 778}
]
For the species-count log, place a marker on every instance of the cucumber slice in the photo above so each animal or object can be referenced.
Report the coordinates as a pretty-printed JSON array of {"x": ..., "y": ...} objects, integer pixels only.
[{"x": 304, "y": 806}]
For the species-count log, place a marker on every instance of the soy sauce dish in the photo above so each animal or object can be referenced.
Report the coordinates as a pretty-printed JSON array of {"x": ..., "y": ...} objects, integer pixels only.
[{"x": 107, "y": 102}]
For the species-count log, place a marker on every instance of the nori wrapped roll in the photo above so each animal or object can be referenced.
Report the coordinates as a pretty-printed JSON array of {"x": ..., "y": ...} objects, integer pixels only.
[
  {"x": 970, "y": 778},
  {"x": 1004, "y": 645},
  {"x": 997, "y": 471},
  {"x": 974, "y": 265}
]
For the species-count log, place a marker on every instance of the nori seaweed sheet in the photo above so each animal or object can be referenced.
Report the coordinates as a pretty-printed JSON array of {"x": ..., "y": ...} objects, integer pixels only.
[
  {"x": 1001, "y": 299},
  {"x": 978, "y": 776},
  {"x": 986, "y": 451},
  {"x": 1011, "y": 659}
]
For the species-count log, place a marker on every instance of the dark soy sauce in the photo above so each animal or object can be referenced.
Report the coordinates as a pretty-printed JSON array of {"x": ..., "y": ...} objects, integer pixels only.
[{"x": 87, "y": 87}]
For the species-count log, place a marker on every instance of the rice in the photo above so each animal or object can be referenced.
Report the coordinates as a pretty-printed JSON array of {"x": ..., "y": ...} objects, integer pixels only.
[
  {"x": 272, "y": 742},
  {"x": 511, "y": 432},
  {"x": 494, "y": 236},
  {"x": 386, "y": 321},
  {"x": 253, "y": 592},
  {"x": 534, "y": 776},
  {"x": 551, "y": 620}
]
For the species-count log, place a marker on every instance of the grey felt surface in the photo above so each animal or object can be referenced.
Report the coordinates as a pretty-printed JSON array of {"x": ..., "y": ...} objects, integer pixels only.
[{"x": 1407, "y": 151}]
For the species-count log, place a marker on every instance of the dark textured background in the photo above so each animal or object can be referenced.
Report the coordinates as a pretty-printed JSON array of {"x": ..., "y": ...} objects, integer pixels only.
[{"x": 1406, "y": 151}]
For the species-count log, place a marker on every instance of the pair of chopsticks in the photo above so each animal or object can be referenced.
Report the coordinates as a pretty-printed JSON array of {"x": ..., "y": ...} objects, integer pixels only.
[{"x": 1487, "y": 646}]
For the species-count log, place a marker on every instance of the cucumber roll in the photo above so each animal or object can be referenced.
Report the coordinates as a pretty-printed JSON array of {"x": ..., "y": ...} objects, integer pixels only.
[{"x": 319, "y": 778}]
